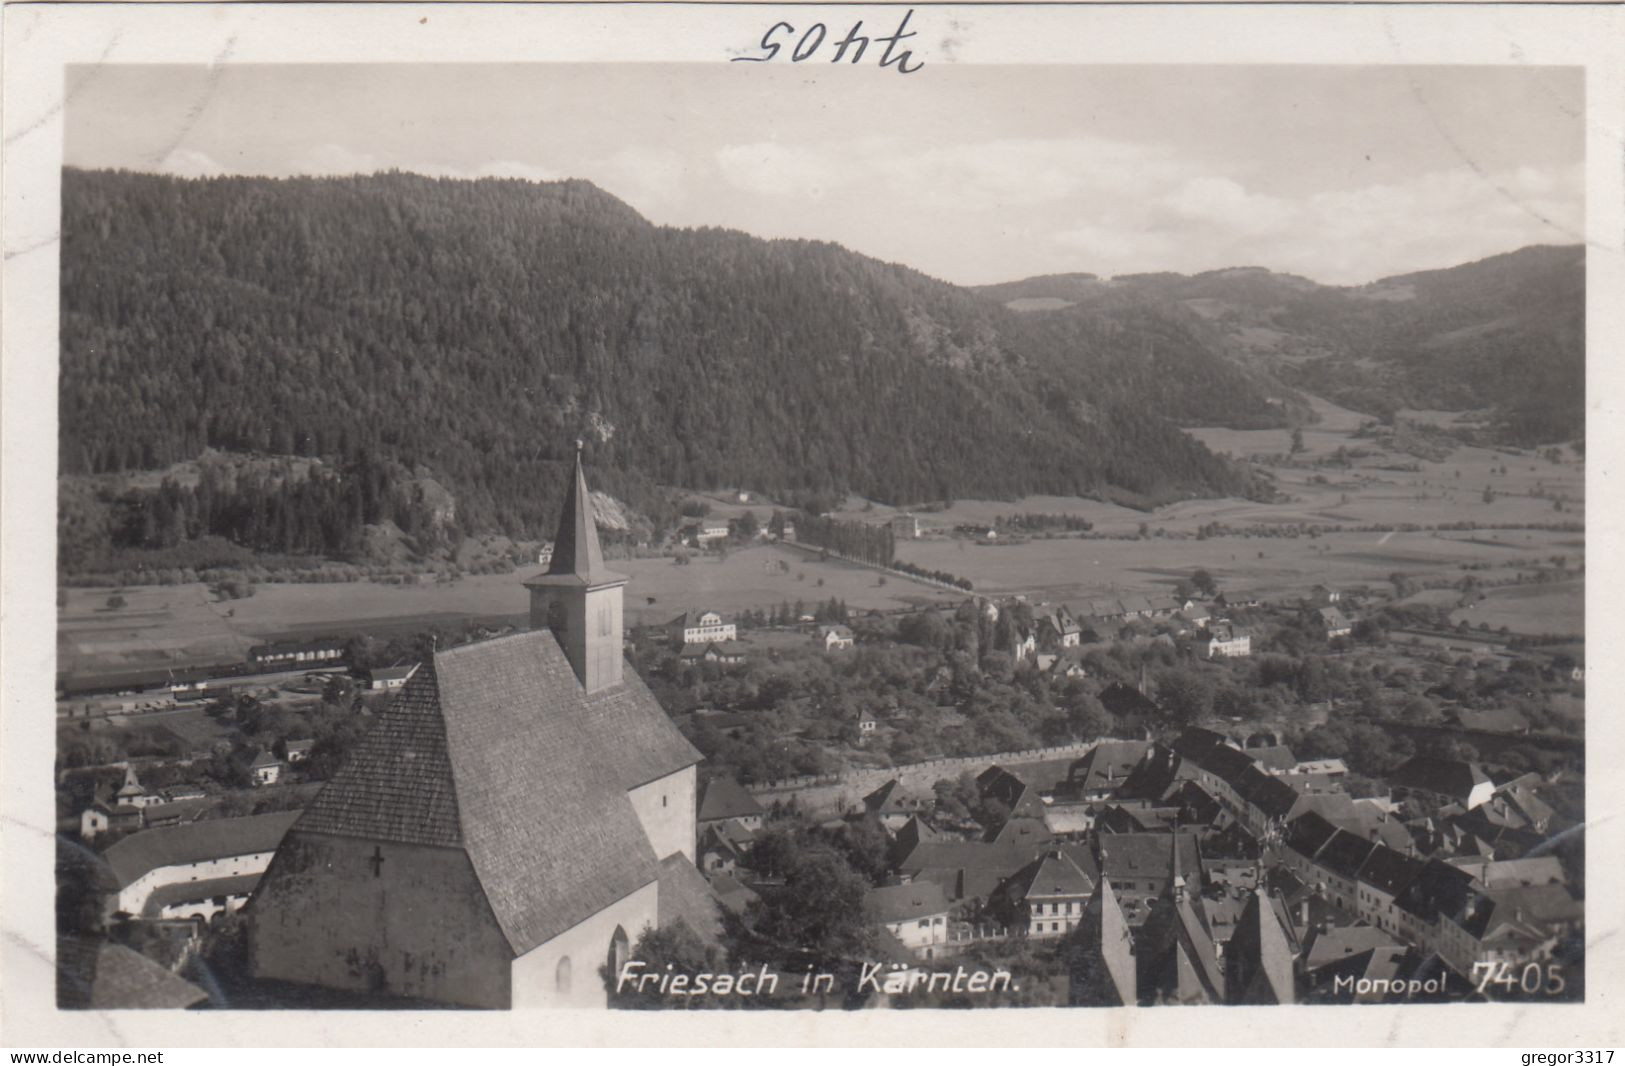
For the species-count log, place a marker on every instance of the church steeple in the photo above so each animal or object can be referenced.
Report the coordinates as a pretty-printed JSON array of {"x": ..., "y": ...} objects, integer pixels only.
[
  {"x": 575, "y": 546},
  {"x": 579, "y": 599}
]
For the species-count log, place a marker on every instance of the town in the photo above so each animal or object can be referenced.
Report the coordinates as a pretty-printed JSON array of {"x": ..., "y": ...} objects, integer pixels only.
[{"x": 1199, "y": 796}]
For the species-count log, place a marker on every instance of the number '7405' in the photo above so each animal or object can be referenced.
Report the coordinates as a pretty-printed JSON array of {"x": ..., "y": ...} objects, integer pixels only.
[{"x": 1531, "y": 979}]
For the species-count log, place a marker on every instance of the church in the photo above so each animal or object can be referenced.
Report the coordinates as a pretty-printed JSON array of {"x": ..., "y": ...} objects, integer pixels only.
[{"x": 520, "y": 812}]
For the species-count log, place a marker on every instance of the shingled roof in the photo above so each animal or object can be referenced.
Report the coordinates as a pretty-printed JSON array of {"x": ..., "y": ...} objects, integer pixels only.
[
  {"x": 723, "y": 798},
  {"x": 1450, "y": 777},
  {"x": 1052, "y": 875},
  {"x": 1259, "y": 956},
  {"x": 175, "y": 845},
  {"x": 495, "y": 747}
]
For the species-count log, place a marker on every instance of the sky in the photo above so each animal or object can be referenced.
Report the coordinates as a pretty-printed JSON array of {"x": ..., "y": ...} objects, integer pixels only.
[{"x": 973, "y": 174}]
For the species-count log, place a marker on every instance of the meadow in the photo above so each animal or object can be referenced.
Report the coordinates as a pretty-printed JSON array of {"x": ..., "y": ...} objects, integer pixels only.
[{"x": 185, "y": 624}]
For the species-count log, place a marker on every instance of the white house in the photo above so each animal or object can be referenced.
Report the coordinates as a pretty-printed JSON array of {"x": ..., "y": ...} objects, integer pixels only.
[
  {"x": 915, "y": 913},
  {"x": 1228, "y": 641},
  {"x": 701, "y": 627},
  {"x": 266, "y": 769},
  {"x": 835, "y": 637},
  {"x": 194, "y": 863}
]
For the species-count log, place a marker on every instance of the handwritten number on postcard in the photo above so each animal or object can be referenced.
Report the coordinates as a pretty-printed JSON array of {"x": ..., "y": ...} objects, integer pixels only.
[{"x": 849, "y": 48}]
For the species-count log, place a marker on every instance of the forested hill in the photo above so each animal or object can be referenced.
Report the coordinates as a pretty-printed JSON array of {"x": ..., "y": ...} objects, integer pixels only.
[
  {"x": 471, "y": 331},
  {"x": 1505, "y": 334}
]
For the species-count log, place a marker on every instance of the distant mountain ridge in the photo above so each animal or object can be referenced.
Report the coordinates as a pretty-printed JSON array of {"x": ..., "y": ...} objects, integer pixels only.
[
  {"x": 1506, "y": 333},
  {"x": 472, "y": 330}
]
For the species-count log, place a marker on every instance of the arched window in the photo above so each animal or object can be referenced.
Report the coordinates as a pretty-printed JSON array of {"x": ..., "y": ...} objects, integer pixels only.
[
  {"x": 561, "y": 976},
  {"x": 620, "y": 949}
]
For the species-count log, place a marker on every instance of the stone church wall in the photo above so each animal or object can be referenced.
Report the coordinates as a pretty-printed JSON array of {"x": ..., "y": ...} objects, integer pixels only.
[
  {"x": 416, "y": 924},
  {"x": 666, "y": 808},
  {"x": 540, "y": 981}
]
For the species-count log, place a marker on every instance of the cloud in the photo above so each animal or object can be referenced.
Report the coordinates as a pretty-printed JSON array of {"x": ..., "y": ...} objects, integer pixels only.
[
  {"x": 646, "y": 178},
  {"x": 768, "y": 168},
  {"x": 188, "y": 163},
  {"x": 336, "y": 159},
  {"x": 981, "y": 176},
  {"x": 1349, "y": 236},
  {"x": 505, "y": 168}
]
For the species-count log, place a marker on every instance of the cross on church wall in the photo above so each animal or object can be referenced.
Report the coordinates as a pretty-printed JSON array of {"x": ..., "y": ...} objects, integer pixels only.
[{"x": 377, "y": 861}]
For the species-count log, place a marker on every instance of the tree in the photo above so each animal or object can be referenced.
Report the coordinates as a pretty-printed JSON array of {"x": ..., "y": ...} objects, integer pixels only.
[
  {"x": 115, "y": 601},
  {"x": 818, "y": 910},
  {"x": 1185, "y": 695},
  {"x": 675, "y": 946},
  {"x": 1297, "y": 440},
  {"x": 1203, "y": 582}
]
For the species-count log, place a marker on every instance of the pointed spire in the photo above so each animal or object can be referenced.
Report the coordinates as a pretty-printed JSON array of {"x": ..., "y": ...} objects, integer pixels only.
[{"x": 576, "y": 553}]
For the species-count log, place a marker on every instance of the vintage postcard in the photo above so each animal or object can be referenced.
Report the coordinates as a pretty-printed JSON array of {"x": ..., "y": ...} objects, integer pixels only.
[{"x": 750, "y": 523}]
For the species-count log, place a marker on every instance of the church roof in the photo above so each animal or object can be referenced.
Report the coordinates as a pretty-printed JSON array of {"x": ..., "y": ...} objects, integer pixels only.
[
  {"x": 1116, "y": 944},
  {"x": 686, "y": 896},
  {"x": 1260, "y": 956},
  {"x": 495, "y": 747},
  {"x": 577, "y": 558}
]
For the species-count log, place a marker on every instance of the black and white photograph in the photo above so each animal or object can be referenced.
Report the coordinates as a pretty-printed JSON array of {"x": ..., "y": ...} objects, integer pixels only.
[{"x": 837, "y": 524}]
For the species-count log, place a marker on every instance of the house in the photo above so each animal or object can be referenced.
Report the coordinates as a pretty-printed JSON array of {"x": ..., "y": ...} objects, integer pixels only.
[
  {"x": 915, "y": 913},
  {"x": 1142, "y": 866},
  {"x": 701, "y": 627},
  {"x": 1196, "y": 614},
  {"x": 835, "y": 637},
  {"x": 893, "y": 806},
  {"x": 544, "y": 554},
  {"x": 1058, "y": 629},
  {"x": 694, "y": 654},
  {"x": 704, "y": 532},
  {"x": 511, "y": 823},
  {"x": 299, "y": 750},
  {"x": 1384, "y": 876},
  {"x": 1321, "y": 596},
  {"x": 868, "y": 724},
  {"x": 163, "y": 814},
  {"x": 293, "y": 653},
  {"x": 1229, "y": 641},
  {"x": 266, "y": 769},
  {"x": 1437, "y": 782},
  {"x": 723, "y": 847},
  {"x": 1335, "y": 623},
  {"x": 100, "y": 818},
  {"x": 389, "y": 678},
  {"x": 200, "y": 860},
  {"x": 1046, "y": 897},
  {"x": 1102, "y": 770},
  {"x": 904, "y": 526},
  {"x": 722, "y": 799}
]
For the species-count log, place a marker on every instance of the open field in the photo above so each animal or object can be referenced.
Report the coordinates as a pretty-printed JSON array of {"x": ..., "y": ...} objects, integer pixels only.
[
  {"x": 1534, "y": 609},
  {"x": 184, "y": 624},
  {"x": 1367, "y": 492},
  {"x": 1269, "y": 567},
  {"x": 179, "y": 625}
]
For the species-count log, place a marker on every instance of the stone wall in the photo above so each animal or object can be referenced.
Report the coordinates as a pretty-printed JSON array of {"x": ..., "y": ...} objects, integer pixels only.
[{"x": 834, "y": 794}]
